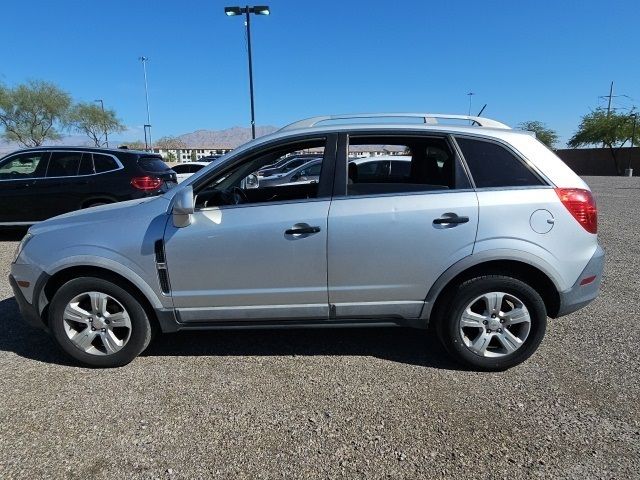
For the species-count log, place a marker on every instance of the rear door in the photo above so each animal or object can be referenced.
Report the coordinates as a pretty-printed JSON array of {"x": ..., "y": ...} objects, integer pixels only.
[
  {"x": 20, "y": 201},
  {"x": 63, "y": 185},
  {"x": 391, "y": 236}
]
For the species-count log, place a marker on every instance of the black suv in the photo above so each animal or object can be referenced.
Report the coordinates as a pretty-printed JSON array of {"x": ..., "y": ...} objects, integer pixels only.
[{"x": 39, "y": 183}]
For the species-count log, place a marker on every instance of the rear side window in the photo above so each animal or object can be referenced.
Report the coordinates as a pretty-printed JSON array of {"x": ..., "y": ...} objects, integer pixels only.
[
  {"x": 492, "y": 165},
  {"x": 104, "y": 163},
  {"x": 64, "y": 164},
  {"x": 152, "y": 164},
  {"x": 380, "y": 165}
]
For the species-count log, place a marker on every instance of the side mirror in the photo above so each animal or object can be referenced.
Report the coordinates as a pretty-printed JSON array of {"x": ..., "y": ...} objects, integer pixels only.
[{"x": 183, "y": 207}]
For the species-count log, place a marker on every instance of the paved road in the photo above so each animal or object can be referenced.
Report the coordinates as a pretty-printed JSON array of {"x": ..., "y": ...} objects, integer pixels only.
[{"x": 334, "y": 404}]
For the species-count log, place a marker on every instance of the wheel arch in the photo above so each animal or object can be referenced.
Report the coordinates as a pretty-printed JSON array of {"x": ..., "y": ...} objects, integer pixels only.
[
  {"x": 534, "y": 276},
  {"x": 58, "y": 279}
]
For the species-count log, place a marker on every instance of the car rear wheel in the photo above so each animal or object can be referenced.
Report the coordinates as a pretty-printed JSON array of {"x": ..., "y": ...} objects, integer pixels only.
[
  {"x": 98, "y": 323},
  {"x": 492, "y": 322}
]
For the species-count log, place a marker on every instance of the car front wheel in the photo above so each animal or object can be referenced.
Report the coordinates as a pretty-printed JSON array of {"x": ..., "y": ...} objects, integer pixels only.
[
  {"x": 492, "y": 322},
  {"x": 98, "y": 323}
]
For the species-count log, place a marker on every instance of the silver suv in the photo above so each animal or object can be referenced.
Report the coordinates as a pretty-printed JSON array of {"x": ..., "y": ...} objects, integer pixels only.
[{"x": 482, "y": 235}]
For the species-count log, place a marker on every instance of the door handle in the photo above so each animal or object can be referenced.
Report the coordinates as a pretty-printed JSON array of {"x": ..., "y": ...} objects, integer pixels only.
[
  {"x": 450, "y": 219},
  {"x": 301, "y": 229}
]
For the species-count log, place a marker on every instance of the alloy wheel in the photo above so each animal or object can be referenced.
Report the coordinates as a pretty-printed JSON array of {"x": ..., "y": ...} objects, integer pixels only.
[
  {"x": 97, "y": 323},
  {"x": 495, "y": 324}
]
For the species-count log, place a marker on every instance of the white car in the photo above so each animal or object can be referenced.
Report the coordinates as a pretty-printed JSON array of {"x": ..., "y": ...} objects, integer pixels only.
[{"x": 185, "y": 170}]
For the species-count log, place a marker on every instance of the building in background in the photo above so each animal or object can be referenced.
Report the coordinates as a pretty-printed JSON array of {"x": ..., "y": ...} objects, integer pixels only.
[{"x": 191, "y": 154}]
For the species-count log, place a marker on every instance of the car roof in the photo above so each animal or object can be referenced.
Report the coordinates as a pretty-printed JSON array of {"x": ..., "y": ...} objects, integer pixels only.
[
  {"x": 113, "y": 151},
  {"x": 204, "y": 164}
]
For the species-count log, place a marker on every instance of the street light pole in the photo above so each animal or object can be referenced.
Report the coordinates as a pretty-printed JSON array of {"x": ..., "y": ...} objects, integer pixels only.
[
  {"x": 146, "y": 94},
  {"x": 247, "y": 11},
  {"x": 106, "y": 136},
  {"x": 629, "y": 172},
  {"x": 253, "y": 108}
]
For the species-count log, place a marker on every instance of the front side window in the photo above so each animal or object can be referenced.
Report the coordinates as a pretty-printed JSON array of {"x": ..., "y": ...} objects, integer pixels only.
[
  {"x": 238, "y": 185},
  {"x": 22, "y": 166},
  {"x": 492, "y": 165},
  {"x": 395, "y": 164}
]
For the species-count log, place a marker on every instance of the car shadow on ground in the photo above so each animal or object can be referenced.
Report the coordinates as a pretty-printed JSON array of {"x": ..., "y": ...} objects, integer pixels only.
[{"x": 414, "y": 347}]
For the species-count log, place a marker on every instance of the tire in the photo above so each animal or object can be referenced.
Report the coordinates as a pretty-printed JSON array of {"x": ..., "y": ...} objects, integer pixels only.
[
  {"x": 504, "y": 337},
  {"x": 129, "y": 323}
]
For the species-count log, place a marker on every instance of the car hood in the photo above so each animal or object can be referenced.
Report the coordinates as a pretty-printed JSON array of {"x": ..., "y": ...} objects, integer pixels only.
[{"x": 145, "y": 208}]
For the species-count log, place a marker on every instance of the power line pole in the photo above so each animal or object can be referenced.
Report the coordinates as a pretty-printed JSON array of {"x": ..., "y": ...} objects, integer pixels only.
[{"x": 610, "y": 97}]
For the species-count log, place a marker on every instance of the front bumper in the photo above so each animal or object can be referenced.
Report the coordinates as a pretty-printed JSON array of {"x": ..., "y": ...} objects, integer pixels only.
[
  {"x": 28, "y": 311},
  {"x": 579, "y": 296}
]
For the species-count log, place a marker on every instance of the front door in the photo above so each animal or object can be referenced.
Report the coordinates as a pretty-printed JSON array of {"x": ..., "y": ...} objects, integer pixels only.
[
  {"x": 253, "y": 254},
  {"x": 21, "y": 203}
]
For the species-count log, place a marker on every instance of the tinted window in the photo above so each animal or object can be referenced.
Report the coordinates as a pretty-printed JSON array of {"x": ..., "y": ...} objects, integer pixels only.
[
  {"x": 64, "y": 164},
  {"x": 104, "y": 163},
  {"x": 26, "y": 165},
  {"x": 152, "y": 164},
  {"x": 398, "y": 164},
  {"x": 492, "y": 165}
]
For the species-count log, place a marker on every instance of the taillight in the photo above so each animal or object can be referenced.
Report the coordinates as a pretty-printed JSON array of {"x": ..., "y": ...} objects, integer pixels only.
[
  {"x": 146, "y": 183},
  {"x": 581, "y": 205}
]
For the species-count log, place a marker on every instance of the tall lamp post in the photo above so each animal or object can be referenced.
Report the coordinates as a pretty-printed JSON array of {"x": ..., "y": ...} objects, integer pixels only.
[
  {"x": 144, "y": 61},
  {"x": 247, "y": 11},
  {"x": 106, "y": 137},
  {"x": 629, "y": 171}
]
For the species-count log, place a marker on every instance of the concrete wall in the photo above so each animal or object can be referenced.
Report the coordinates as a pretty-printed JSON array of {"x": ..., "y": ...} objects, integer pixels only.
[{"x": 598, "y": 161}]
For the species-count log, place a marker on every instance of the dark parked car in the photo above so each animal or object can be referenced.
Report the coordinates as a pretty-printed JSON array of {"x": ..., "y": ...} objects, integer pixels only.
[{"x": 39, "y": 183}]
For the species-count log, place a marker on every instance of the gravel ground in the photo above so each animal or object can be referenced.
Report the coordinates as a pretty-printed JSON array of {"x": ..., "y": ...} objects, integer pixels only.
[{"x": 333, "y": 404}]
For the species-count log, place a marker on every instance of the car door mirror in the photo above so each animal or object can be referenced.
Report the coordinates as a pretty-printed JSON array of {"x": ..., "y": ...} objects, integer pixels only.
[{"x": 183, "y": 207}]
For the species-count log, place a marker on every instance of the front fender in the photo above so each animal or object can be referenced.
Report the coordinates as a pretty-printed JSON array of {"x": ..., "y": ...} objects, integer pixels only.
[{"x": 121, "y": 266}]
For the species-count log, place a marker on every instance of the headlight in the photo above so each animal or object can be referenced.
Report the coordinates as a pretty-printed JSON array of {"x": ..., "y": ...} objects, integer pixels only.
[{"x": 22, "y": 244}]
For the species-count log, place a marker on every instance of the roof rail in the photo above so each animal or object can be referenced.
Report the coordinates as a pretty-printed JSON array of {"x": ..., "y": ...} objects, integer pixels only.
[{"x": 429, "y": 118}]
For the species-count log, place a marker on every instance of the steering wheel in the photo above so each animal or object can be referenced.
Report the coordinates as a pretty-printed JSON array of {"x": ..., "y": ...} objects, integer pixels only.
[{"x": 239, "y": 196}]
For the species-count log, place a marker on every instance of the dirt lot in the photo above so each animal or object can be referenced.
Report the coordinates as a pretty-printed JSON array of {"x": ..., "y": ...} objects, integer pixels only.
[{"x": 334, "y": 404}]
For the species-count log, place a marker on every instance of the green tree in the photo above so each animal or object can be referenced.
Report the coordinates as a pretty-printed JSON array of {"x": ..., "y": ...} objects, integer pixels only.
[
  {"x": 610, "y": 129},
  {"x": 96, "y": 123},
  {"x": 31, "y": 113},
  {"x": 543, "y": 133},
  {"x": 194, "y": 156}
]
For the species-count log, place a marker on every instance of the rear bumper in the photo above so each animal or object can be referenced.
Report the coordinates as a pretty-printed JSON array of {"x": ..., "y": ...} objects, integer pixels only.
[
  {"x": 579, "y": 296},
  {"x": 29, "y": 312}
]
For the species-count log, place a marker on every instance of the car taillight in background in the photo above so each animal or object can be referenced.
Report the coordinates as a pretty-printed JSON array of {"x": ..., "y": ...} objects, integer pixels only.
[
  {"x": 581, "y": 205},
  {"x": 146, "y": 183}
]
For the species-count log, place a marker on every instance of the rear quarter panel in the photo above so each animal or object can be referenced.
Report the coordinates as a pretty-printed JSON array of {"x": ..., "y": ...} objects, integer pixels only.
[{"x": 505, "y": 225}]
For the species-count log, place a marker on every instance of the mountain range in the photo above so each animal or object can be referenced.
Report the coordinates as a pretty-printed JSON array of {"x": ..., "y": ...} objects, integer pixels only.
[{"x": 226, "y": 138}]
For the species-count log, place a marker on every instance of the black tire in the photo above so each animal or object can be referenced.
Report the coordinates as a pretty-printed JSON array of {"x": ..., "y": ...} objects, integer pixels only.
[
  {"x": 140, "y": 326},
  {"x": 453, "y": 305}
]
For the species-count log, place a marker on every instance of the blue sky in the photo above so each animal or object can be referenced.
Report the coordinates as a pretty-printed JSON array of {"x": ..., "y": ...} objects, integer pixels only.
[{"x": 543, "y": 60}]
